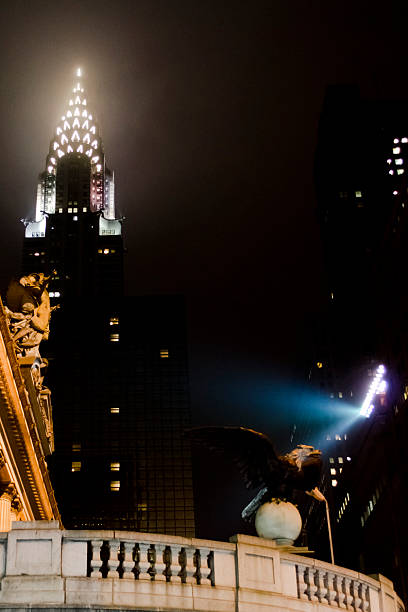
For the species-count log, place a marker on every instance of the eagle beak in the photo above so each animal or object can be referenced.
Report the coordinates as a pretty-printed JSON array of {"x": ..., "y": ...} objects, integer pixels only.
[{"x": 316, "y": 494}]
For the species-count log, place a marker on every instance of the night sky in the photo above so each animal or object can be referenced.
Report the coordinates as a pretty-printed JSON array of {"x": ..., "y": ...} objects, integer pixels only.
[{"x": 209, "y": 113}]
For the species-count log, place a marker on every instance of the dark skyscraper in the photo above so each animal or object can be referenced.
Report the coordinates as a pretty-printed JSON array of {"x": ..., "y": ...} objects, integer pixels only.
[
  {"x": 361, "y": 183},
  {"x": 118, "y": 365}
]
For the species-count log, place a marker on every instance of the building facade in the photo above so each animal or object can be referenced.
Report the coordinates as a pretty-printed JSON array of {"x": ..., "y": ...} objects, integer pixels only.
[
  {"x": 118, "y": 365},
  {"x": 26, "y": 436}
]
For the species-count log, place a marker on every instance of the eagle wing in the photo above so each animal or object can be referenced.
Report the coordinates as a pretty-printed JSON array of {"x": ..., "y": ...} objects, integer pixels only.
[{"x": 250, "y": 450}]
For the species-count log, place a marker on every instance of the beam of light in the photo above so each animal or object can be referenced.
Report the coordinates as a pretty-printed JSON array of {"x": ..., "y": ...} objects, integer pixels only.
[{"x": 378, "y": 385}]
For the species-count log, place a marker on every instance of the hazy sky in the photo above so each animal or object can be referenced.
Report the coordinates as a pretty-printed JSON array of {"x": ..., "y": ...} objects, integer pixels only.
[{"x": 209, "y": 114}]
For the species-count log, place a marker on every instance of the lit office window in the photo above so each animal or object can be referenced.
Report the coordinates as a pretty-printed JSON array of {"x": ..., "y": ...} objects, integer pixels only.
[
  {"x": 400, "y": 171},
  {"x": 115, "y": 485},
  {"x": 399, "y": 161},
  {"x": 396, "y": 150},
  {"x": 396, "y": 141},
  {"x": 76, "y": 447},
  {"x": 359, "y": 194},
  {"x": 114, "y": 410},
  {"x": 76, "y": 466},
  {"x": 60, "y": 210},
  {"x": 164, "y": 353},
  {"x": 404, "y": 140},
  {"x": 331, "y": 460},
  {"x": 334, "y": 483},
  {"x": 70, "y": 210},
  {"x": 340, "y": 459},
  {"x": 105, "y": 251},
  {"x": 75, "y": 217},
  {"x": 338, "y": 437},
  {"x": 114, "y": 337},
  {"x": 115, "y": 466},
  {"x": 114, "y": 321},
  {"x": 333, "y": 471}
]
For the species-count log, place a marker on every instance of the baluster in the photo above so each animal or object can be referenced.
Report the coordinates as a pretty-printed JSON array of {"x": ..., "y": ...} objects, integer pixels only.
[
  {"x": 174, "y": 568},
  {"x": 331, "y": 593},
  {"x": 302, "y": 586},
  {"x": 190, "y": 566},
  {"x": 160, "y": 566},
  {"x": 311, "y": 586},
  {"x": 96, "y": 561},
  {"x": 340, "y": 594},
  {"x": 144, "y": 562},
  {"x": 355, "y": 588},
  {"x": 365, "y": 597},
  {"x": 204, "y": 569},
  {"x": 321, "y": 586},
  {"x": 349, "y": 598},
  {"x": 128, "y": 563},
  {"x": 113, "y": 560}
]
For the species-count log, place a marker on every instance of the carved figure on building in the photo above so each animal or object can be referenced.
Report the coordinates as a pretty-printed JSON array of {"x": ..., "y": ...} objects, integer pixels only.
[
  {"x": 277, "y": 477},
  {"x": 29, "y": 311}
]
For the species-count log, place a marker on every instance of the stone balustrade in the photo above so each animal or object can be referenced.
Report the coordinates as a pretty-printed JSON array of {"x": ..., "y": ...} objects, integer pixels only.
[{"x": 42, "y": 566}]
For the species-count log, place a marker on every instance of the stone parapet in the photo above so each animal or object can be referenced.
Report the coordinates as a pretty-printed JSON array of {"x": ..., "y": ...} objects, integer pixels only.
[{"x": 42, "y": 566}]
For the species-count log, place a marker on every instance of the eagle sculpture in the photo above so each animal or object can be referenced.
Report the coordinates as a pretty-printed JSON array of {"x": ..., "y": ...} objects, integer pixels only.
[{"x": 261, "y": 467}]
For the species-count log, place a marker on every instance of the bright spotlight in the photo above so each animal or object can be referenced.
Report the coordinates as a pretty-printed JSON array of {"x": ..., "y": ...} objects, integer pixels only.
[{"x": 378, "y": 385}]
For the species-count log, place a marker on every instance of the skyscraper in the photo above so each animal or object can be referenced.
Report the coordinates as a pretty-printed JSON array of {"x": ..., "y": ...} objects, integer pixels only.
[
  {"x": 361, "y": 184},
  {"x": 75, "y": 230},
  {"x": 118, "y": 365}
]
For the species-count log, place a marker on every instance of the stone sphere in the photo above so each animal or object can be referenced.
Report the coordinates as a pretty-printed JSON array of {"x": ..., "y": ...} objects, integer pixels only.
[{"x": 279, "y": 521}]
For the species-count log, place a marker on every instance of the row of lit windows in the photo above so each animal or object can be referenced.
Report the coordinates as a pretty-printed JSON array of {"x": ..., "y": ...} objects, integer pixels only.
[
  {"x": 343, "y": 507},
  {"x": 370, "y": 506},
  {"x": 339, "y": 460},
  {"x": 336, "y": 437},
  {"x": 344, "y": 194},
  {"x": 106, "y": 251},
  {"x": 73, "y": 210},
  {"x": 77, "y": 465}
]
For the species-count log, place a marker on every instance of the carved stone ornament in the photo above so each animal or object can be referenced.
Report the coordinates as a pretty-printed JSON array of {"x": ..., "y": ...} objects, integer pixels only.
[
  {"x": 16, "y": 504},
  {"x": 29, "y": 311},
  {"x": 8, "y": 491}
]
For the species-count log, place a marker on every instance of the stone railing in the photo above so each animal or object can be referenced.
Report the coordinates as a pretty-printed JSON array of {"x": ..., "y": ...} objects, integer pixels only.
[{"x": 43, "y": 566}]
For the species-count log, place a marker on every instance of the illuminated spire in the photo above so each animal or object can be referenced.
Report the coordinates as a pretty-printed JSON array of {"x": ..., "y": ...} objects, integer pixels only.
[{"x": 78, "y": 132}]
